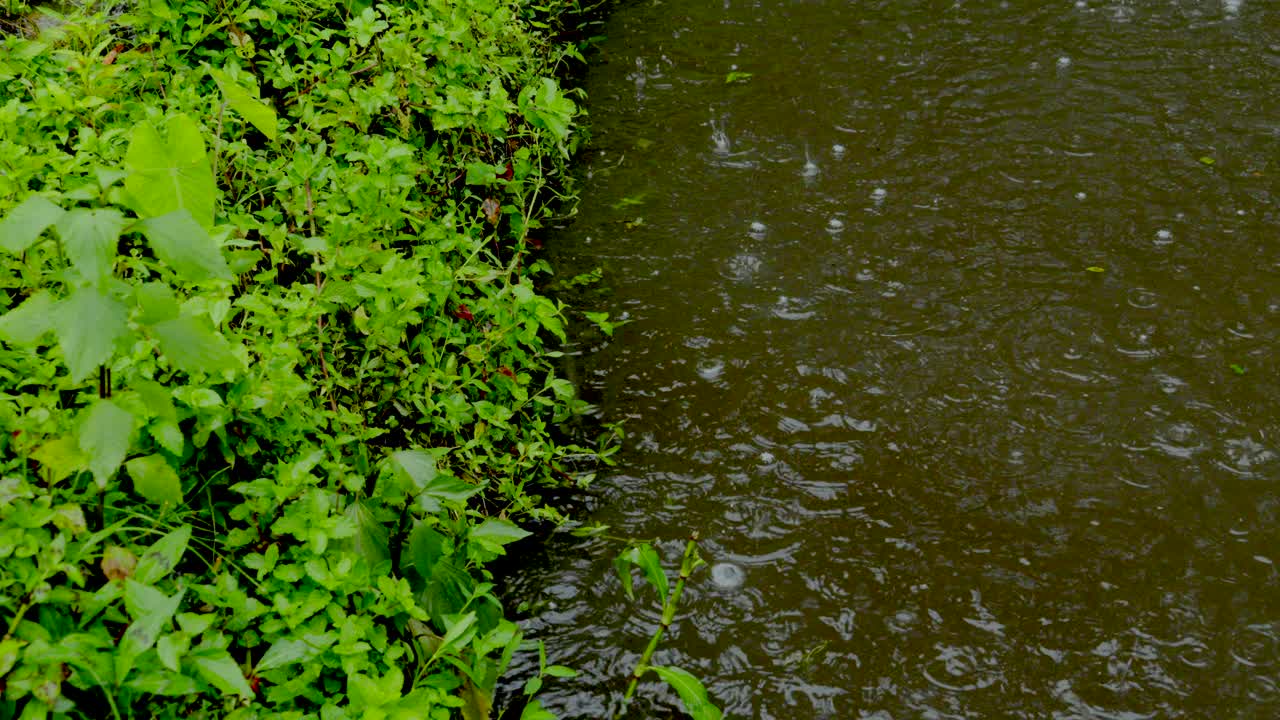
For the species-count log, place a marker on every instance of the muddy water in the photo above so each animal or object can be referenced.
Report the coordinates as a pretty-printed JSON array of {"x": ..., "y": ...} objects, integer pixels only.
[{"x": 953, "y": 331}]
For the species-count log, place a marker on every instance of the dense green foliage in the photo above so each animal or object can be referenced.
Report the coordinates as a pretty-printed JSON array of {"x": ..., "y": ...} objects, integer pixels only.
[{"x": 273, "y": 378}]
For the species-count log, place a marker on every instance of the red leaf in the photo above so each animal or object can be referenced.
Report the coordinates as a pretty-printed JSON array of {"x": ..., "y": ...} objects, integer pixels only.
[
  {"x": 462, "y": 312},
  {"x": 507, "y": 371}
]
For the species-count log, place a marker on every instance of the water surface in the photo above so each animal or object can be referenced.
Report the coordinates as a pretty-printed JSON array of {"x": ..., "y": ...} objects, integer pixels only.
[{"x": 953, "y": 332}]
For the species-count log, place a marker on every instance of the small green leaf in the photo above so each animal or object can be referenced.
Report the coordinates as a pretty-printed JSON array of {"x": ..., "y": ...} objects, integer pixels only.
[
  {"x": 186, "y": 247},
  {"x": 494, "y": 533},
  {"x": 219, "y": 669},
  {"x": 171, "y": 648},
  {"x": 1238, "y": 369},
  {"x": 191, "y": 345},
  {"x": 88, "y": 323},
  {"x": 104, "y": 438},
  {"x": 1095, "y": 269},
  {"x": 1205, "y": 159},
  {"x": 736, "y": 76},
  {"x": 155, "y": 479},
  {"x": 91, "y": 238},
  {"x": 172, "y": 172},
  {"x": 479, "y": 173},
  {"x": 560, "y": 671},
  {"x": 459, "y": 633},
  {"x": 623, "y": 566},
  {"x": 258, "y": 113},
  {"x": 691, "y": 692},
  {"x": 27, "y": 323},
  {"x": 24, "y": 223},
  {"x": 432, "y": 489},
  {"x": 646, "y": 558}
]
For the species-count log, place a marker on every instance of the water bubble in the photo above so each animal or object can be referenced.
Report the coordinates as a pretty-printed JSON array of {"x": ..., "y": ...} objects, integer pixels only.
[
  {"x": 1163, "y": 237},
  {"x": 757, "y": 227},
  {"x": 837, "y": 150},
  {"x": 727, "y": 576},
  {"x": 710, "y": 369},
  {"x": 767, "y": 458},
  {"x": 1081, "y": 196},
  {"x": 835, "y": 224},
  {"x": 879, "y": 194},
  {"x": 1064, "y": 61}
]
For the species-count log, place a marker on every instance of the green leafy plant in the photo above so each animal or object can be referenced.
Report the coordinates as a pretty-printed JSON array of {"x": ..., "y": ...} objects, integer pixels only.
[
  {"x": 644, "y": 557},
  {"x": 276, "y": 382}
]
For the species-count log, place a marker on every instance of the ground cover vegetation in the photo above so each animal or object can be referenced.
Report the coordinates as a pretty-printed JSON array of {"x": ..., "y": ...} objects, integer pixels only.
[{"x": 275, "y": 378}]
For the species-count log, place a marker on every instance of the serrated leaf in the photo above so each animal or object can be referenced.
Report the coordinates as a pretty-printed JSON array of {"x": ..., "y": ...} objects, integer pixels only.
[
  {"x": 91, "y": 238},
  {"x": 156, "y": 302},
  {"x": 170, "y": 173},
  {"x": 191, "y": 345},
  {"x": 155, "y": 479},
  {"x": 24, "y": 223},
  {"x": 88, "y": 323},
  {"x": 104, "y": 439},
  {"x": 371, "y": 539},
  {"x": 186, "y": 247},
  {"x": 27, "y": 323},
  {"x": 162, "y": 557},
  {"x": 221, "y": 671},
  {"x": 258, "y": 113},
  {"x": 691, "y": 692}
]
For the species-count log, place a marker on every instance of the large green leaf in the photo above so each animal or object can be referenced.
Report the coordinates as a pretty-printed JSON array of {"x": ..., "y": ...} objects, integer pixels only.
[
  {"x": 170, "y": 173},
  {"x": 155, "y": 479},
  {"x": 191, "y": 345},
  {"x": 182, "y": 244},
  {"x": 27, "y": 323},
  {"x": 691, "y": 691},
  {"x": 646, "y": 558},
  {"x": 88, "y": 323},
  {"x": 151, "y": 610},
  {"x": 494, "y": 533},
  {"x": 23, "y": 225},
  {"x": 246, "y": 104},
  {"x": 371, "y": 539},
  {"x": 292, "y": 650},
  {"x": 220, "y": 670},
  {"x": 432, "y": 489},
  {"x": 104, "y": 439},
  {"x": 91, "y": 238}
]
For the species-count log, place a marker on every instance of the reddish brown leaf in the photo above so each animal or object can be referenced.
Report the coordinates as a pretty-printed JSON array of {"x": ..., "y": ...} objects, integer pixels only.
[
  {"x": 118, "y": 563},
  {"x": 462, "y": 312},
  {"x": 507, "y": 371}
]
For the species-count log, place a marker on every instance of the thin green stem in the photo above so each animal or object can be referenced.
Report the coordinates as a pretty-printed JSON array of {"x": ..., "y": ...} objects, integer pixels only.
[{"x": 687, "y": 564}]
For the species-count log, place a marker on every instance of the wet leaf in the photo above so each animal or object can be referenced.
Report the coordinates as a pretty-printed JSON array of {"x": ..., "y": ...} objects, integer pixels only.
[{"x": 691, "y": 692}]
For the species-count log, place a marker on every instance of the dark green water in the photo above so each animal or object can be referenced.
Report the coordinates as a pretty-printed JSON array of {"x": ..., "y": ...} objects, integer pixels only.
[{"x": 925, "y": 444}]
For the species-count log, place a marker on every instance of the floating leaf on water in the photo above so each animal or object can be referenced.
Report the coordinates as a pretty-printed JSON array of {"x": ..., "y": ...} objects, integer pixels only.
[
  {"x": 1207, "y": 160},
  {"x": 1238, "y": 369},
  {"x": 1095, "y": 269}
]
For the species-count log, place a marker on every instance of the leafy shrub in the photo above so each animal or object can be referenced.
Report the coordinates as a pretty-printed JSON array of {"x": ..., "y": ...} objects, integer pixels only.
[{"x": 274, "y": 377}]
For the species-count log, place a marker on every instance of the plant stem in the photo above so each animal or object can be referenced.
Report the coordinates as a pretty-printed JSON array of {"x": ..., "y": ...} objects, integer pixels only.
[{"x": 687, "y": 564}]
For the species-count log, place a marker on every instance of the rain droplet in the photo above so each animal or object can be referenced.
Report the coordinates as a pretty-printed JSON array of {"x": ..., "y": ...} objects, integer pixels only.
[
  {"x": 835, "y": 224},
  {"x": 727, "y": 576},
  {"x": 879, "y": 194},
  {"x": 837, "y": 150},
  {"x": 1064, "y": 61},
  {"x": 1081, "y": 196},
  {"x": 1163, "y": 237}
]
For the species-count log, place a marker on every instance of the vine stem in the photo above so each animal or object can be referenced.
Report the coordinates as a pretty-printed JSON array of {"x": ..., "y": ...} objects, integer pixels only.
[{"x": 687, "y": 564}]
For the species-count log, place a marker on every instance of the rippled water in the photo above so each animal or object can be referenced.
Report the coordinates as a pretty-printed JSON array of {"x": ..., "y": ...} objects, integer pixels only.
[{"x": 953, "y": 333}]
